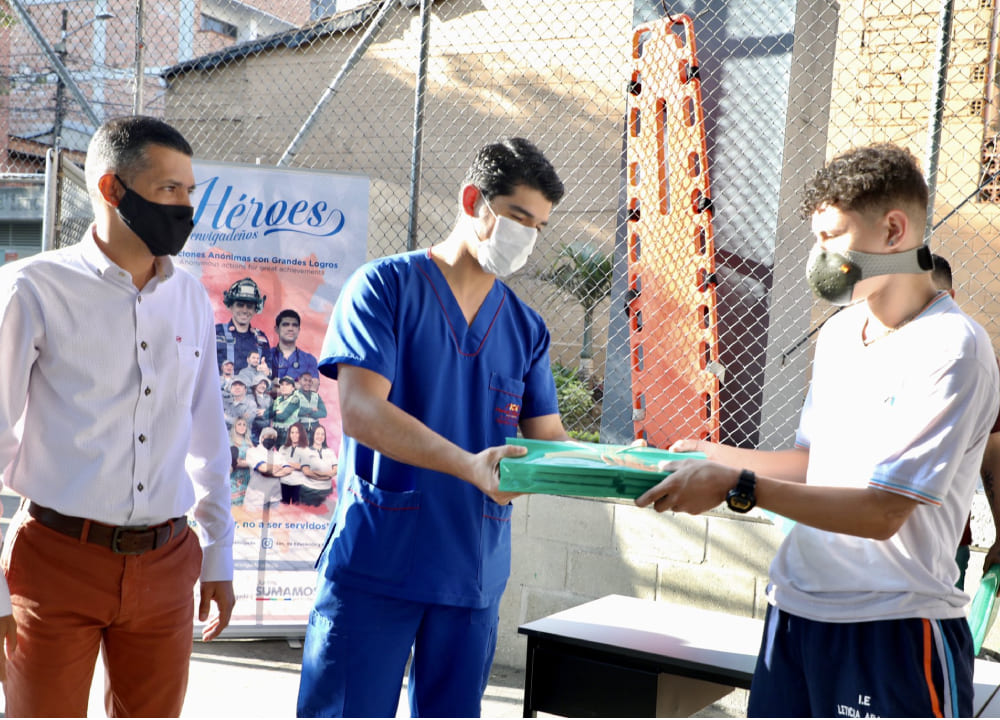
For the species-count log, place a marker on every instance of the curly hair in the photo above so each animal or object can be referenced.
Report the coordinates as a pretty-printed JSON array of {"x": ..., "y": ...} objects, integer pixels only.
[
  {"x": 868, "y": 178},
  {"x": 501, "y": 166}
]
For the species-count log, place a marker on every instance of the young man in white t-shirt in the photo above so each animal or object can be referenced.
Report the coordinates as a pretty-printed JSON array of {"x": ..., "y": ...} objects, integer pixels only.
[{"x": 864, "y": 618}]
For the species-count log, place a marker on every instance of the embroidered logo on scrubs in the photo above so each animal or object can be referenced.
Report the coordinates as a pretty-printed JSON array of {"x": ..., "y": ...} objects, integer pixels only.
[
  {"x": 508, "y": 414},
  {"x": 178, "y": 338}
]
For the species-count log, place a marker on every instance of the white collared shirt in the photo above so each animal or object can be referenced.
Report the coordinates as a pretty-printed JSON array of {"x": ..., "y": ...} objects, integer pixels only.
[{"x": 109, "y": 396}]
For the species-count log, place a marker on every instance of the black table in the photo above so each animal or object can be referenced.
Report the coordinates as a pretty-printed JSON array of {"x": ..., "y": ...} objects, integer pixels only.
[{"x": 626, "y": 657}]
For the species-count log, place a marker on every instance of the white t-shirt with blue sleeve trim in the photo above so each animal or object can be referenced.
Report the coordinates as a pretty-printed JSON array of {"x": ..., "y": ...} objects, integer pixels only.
[{"x": 908, "y": 414}]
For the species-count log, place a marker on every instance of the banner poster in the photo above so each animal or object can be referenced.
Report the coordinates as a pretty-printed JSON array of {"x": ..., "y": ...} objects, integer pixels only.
[{"x": 273, "y": 247}]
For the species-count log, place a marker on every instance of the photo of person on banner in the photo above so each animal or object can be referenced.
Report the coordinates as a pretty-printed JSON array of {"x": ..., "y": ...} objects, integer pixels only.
[
  {"x": 256, "y": 365},
  {"x": 285, "y": 408},
  {"x": 263, "y": 400},
  {"x": 236, "y": 339},
  {"x": 312, "y": 409},
  {"x": 294, "y": 451},
  {"x": 239, "y": 477},
  {"x": 226, "y": 377},
  {"x": 237, "y": 404},
  {"x": 267, "y": 467},
  {"x": 320, "y": 470},
  {"x": 286, "y": 358}
]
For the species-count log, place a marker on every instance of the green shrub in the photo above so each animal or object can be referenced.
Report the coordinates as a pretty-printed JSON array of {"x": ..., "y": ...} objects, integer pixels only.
[
  {"x": 591, "y": 436},
  {"x": 576, "y": 401}
]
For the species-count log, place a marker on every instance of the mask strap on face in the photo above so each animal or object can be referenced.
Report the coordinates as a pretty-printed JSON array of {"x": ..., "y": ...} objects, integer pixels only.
[
  {"x": 913, "y": 261},
  {"x": 488, "y": 206},
  {"x": 918, "y": 260},
  {"x": 120, "y": 182}
]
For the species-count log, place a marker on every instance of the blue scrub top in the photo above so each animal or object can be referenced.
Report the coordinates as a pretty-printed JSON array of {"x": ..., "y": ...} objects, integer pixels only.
[
  {"x": 402, "y": 530},
  {"x": 293, "y": 366}
]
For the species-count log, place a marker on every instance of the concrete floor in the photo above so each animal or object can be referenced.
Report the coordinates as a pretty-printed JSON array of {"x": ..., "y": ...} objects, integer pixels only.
[{"x": 259, "y": 679}]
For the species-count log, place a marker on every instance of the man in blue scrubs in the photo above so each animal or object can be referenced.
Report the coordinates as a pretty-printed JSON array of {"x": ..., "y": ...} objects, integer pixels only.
[{"x": 437, "y": 362}]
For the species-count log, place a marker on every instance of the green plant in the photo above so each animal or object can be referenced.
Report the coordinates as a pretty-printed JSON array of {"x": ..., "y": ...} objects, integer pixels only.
[
  {"x": 576, "y": 401},
  {"x": 585, "y": 272},
  {"x": 591, "y": 436}
]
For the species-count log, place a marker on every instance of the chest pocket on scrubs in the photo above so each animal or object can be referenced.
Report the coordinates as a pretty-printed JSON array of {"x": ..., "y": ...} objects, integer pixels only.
[
  {"x": 376, "y": 534},
  {"x": 506, "y": 395},
  {"x": 188, "y": 361}
]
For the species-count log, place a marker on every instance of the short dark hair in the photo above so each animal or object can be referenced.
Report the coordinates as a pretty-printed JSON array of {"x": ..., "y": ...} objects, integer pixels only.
[
  {"x": 119, "y": 146},
  {"x": 286, "y": 313},
  {"x": 941, "y": 273},
  {"x": 501, "y": 166},
  {"x": 864, "y": 179}
]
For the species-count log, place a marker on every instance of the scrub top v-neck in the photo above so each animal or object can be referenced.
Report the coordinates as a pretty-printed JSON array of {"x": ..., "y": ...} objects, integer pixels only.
[
  {"x": 403, "y": 530},
  {"x": 469, "y": 337}
]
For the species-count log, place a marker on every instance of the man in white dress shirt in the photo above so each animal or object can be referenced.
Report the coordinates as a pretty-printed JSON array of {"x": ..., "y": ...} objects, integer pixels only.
[{"x": 111, "y": 428}]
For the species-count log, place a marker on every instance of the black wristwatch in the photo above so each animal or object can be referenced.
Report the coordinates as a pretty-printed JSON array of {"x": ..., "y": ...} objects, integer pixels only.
[{"x": 741, "y": 498}]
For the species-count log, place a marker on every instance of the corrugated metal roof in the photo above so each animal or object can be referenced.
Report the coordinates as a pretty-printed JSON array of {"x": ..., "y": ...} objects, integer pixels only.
[{"x": 338, "y": 23}]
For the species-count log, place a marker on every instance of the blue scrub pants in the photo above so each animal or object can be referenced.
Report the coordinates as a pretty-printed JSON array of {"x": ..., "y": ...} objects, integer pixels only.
[{"x": 357, "y": 644}]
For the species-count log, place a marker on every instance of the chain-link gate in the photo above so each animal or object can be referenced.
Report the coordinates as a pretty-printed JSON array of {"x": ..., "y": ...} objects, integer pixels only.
[{"x": 406, "y": 91}]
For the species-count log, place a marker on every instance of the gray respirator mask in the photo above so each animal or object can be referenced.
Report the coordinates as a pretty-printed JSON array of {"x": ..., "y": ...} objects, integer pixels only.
[{"x": 832, "y": 276}]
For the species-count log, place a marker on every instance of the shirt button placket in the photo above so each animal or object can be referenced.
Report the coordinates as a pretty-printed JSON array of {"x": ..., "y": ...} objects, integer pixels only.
[{"x": 144, "y": 411}]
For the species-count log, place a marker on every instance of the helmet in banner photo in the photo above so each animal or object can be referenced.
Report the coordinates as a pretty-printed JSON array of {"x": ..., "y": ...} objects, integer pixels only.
[{"x": 245, "y": 290}]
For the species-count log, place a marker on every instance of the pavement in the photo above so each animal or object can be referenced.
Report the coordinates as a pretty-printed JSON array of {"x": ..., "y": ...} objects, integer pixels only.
[{"x": 259, "y": 678}]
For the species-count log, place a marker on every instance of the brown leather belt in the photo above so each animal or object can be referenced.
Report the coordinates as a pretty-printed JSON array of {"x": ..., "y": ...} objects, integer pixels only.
[{"x": 121, "y": 539}]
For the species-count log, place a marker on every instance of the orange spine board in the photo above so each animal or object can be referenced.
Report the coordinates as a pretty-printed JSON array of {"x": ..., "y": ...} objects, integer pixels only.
[{"x": 673, "y": 316}]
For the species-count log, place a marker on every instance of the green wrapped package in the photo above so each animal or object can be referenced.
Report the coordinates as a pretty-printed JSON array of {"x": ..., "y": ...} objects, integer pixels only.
[
  {"x": 984, "y": 606},
  {"x": 585, "y": 469}
]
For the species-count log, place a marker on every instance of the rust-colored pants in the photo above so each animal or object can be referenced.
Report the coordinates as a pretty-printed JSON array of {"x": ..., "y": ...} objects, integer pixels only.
[{"x": 72, "y": 598}]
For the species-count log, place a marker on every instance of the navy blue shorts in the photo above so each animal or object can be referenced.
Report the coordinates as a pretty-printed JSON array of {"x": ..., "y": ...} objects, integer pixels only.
[{"x": 886, "y": 668}]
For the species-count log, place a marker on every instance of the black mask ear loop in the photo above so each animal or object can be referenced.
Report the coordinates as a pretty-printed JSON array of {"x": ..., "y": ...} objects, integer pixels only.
[{"x": 120, "y": 182}]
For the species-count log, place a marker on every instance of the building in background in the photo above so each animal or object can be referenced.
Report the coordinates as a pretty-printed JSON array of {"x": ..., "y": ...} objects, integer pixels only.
[{"x": 96, "y": 41}]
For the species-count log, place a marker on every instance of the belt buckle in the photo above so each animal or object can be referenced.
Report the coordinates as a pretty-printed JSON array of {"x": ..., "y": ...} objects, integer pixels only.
[{"x": 121, "y": 530}]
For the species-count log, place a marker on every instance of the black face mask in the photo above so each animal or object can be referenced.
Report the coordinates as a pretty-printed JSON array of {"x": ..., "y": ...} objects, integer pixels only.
[
  {"x": 268, "y": 443},
  {"x": 163, "y": 228}
]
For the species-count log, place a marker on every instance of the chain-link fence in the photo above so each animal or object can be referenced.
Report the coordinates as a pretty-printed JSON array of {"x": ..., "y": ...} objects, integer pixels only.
[{"x": 671, "y": 274}]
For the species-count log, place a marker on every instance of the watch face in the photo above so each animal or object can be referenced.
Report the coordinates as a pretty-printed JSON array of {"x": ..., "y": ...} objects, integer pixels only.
[{"x": 739, "y": 502}]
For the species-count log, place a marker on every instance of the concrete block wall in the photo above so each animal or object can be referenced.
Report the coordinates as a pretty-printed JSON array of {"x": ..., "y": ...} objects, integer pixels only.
[{"x": 567, "y": 551}]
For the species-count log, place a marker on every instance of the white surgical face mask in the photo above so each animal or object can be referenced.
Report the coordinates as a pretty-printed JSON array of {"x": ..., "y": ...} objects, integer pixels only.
[{"x": 507, "y": 249}]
